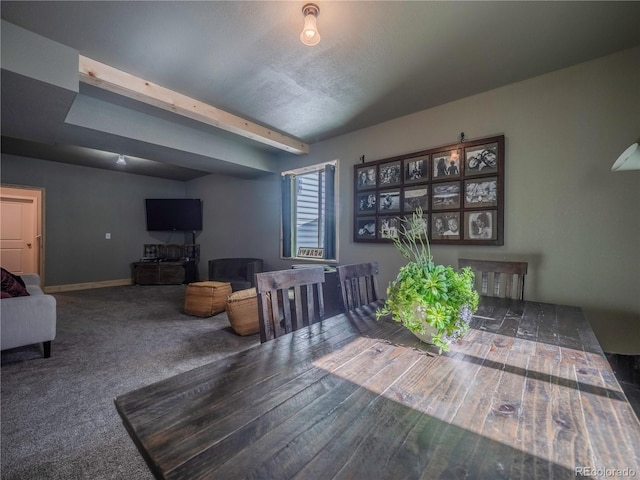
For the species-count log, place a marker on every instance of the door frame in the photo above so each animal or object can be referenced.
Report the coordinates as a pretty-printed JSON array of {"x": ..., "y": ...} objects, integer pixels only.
[{"x": 39, "y": 194}]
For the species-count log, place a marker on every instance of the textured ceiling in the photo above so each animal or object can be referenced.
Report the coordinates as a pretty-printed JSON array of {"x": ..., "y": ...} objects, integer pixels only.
[{"x": 376, "y": 60}]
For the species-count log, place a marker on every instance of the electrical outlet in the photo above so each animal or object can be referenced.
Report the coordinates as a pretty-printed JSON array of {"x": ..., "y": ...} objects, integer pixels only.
[{"x": 107, "y": 236}]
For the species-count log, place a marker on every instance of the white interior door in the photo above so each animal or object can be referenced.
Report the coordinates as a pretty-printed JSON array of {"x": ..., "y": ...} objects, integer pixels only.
[{"x": 19, "y": 236}]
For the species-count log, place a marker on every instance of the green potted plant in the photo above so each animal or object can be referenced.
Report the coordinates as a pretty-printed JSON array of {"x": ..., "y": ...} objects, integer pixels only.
[{"x": 435, "y": 302}]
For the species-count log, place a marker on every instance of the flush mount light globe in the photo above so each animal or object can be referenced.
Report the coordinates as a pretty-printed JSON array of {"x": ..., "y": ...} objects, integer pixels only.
[{"x": 310, "y": 35}]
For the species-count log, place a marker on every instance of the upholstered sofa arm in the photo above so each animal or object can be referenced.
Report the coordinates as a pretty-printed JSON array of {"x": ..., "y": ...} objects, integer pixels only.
[
  {"x": 31, "y": 279},
  {"x": 27, "y": 320}
]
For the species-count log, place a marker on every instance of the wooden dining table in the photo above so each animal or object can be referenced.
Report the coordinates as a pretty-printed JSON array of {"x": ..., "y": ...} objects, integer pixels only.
[{"x": 526, "y": 393}]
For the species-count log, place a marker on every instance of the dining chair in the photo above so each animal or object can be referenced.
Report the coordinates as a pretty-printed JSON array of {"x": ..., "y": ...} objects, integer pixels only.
[
  {"x": 497, "y": 278},
  {"x": 358, "y": 284},
  {"x": 289, "y": 300}
]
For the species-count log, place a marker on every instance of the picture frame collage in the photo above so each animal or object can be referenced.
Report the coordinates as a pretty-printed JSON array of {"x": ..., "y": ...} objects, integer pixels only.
[{"x": 460, "y": 189}]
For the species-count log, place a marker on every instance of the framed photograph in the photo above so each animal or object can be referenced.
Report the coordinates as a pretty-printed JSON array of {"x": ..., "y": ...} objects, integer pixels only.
[
  {"x": 416, "y": 169},
  {"x": 390, "y": 174},
  {"x": 481, "y": 192},
  {"x": 366, "y": 177},
  {"x": 365, "y": 228},
  {"x": 366, "y": 203},
  {"x": 481, "y": 159},
  {"x": 481, "y": 225},
  {"x": 388, "y": 228},
  {"x": 415, "y": 197},
  {"x": 424, "y": 226},
  {"x": 388, "y": 201},
  {"x": 459, "y": 188},
  {"x": 445, "y": 195},
  {"x": 446, "y": 164},
  {"x": 445, "y": 226}
]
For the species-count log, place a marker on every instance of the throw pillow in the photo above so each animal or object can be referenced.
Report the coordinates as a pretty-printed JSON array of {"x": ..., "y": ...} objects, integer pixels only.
[{"x": 12, "y": 285}]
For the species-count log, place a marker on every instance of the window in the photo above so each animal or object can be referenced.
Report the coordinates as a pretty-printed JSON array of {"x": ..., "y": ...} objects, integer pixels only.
[{"x": 308, "y": 212}]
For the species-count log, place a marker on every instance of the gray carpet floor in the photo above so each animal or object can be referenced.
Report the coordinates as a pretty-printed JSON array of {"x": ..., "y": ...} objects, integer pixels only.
[{"x": 58, "y": 419}]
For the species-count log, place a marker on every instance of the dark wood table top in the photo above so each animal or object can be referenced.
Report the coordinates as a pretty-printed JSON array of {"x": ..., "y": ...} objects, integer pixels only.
[{"x": 526, "y": 393}]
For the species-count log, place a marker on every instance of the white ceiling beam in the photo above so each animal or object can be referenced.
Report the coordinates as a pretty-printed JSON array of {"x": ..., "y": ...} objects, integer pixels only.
[{"x": 116, "y": 81}]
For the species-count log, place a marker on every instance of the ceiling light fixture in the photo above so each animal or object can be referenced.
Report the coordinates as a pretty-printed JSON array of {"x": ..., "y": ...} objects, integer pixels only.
[
  {"x": 121, "y": 160},
  {"x": 310, "y": 35}
]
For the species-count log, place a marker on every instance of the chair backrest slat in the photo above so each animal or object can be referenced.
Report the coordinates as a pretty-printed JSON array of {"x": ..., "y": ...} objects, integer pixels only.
[
  {"x": 485, "y": 283},
  {"x": 359, "y": 284},
  {"x": 289, "y": 300},
  {"x": 500, "y": 275},
  {"x": 497, "y": 276},
  {"x": 508, "y": 284}
]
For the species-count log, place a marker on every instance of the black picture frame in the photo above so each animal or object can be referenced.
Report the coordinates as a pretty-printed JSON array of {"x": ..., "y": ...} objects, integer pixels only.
[
  {"x": 367, "y": 177},
  {"x": 446, "y": 164},
  {"x": 389, "y": 201},
  {"x": 388, "y": 189},
  {"x": 366, "y": 228},
  {"x": 366, "y": 203},
  {"x": 416, "y": 169},
  {"x": 450, "y": 226},
  {"x": 481, "y": 192},
  {"x": 445, "y": 195},
  {"x": 425, "y": 226},
  {"x": 389, "y": 174},
  {"x": 414, "y": 197},
  {"x": 480, "y": 225},
  {"x": 388, "y": 225},
  {"x": 481, "y": 159}
]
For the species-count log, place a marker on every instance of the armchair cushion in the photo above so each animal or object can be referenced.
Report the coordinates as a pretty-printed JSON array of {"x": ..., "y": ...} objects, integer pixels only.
[{"x": 237, "y": 271}]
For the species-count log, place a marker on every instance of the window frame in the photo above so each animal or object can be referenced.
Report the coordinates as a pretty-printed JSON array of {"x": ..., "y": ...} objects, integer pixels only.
[{"x": 302, "y": 171}]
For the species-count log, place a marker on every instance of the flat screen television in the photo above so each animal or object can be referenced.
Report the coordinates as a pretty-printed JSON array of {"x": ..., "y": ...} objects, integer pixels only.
[{"x": 168, "y": 214}]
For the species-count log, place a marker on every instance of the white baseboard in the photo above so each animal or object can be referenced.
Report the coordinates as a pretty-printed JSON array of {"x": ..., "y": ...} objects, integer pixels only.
[{"x": 86, "y": 286}]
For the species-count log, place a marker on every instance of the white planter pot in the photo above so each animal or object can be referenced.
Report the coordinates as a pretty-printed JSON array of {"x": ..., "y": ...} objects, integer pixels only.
[
  {"x": 430, "y": 332},
  {"x": 427, "y": 336}
]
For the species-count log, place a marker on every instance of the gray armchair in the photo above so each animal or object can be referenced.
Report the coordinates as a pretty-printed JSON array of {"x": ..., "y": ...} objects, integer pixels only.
[{"x": 237, "y": 271}]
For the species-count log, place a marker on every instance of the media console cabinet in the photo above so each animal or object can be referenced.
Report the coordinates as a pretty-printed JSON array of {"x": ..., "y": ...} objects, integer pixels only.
[
  {"x": 167, "y": 265},
  {"x": 164, "y": 273}
]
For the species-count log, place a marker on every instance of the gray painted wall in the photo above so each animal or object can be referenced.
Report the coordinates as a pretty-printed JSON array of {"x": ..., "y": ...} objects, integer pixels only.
[
  {"x": 81, "y": 205},
  {"x": 566, "y": 213}
]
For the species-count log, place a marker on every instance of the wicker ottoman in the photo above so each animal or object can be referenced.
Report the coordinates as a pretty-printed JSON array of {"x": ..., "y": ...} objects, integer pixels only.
[
  {"x": 242, "y": 310},
  {"x": 205, "y": 299}
]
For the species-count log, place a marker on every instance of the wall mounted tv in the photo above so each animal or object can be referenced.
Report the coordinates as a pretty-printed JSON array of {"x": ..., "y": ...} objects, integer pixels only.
[{"x": 168, "y": 214}]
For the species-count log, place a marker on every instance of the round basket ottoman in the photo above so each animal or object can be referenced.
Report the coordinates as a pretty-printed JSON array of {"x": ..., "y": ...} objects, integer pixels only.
[
  {"x": 242, "y": 311},
  {"x": 204, "y": 299}
]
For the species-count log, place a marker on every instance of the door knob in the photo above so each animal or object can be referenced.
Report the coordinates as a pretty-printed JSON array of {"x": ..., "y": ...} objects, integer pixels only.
[{"x": 29, "y": 245}]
